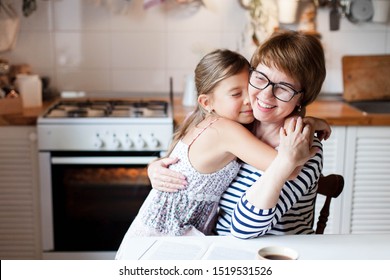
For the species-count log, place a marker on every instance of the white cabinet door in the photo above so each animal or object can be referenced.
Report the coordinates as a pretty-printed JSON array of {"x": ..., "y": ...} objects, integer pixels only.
[
  {"x": 19, "y": 195},
  {"x": 367, "y": 170},
  {"x": 334, "y": 154}
]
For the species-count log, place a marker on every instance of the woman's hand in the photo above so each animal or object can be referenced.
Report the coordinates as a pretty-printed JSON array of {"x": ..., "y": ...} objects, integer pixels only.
[
  {"x": 295, "y": 145},
  {"x": 164, "y": 179}
]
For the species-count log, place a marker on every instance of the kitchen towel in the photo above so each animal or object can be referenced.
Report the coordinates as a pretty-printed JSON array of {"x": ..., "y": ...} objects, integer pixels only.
[{"x": 9, "y": 26}]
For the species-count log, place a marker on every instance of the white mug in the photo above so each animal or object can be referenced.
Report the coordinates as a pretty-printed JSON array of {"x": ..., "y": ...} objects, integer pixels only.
[
  {"x": 190, "y": 94},
  {"x": 30, "y": 90},
  {"x": 277, "y": 253},
  {"x": 287, "y": 11},
  {"x": 381, "y": 10}
]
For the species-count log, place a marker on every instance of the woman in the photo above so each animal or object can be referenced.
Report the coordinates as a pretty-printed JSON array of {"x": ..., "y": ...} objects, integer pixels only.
[{"x": 287, "y": 74}]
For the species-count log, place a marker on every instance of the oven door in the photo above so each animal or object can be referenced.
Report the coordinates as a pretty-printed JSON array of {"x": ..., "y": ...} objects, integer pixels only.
[{"x": 90, "y": 199}]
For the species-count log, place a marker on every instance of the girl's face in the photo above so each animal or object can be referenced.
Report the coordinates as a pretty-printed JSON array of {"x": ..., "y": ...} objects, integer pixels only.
[
  {"x": 267, "y": 108},
  {"x": 230, "y": 99}
]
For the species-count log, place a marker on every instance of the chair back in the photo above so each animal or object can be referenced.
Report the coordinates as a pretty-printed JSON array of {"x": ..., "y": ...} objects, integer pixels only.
[{"x": 329, "y": 186}]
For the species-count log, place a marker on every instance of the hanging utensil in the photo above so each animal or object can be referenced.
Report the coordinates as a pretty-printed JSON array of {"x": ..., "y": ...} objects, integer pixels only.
[
  {"x": 29, "y": 6},
  {"x": 334, "y": 16}
]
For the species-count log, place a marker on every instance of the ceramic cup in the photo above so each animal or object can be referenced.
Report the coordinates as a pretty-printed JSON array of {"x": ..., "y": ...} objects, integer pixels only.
[
  {"x": 381, "y": 10},
  {"x": 190, "y": 94},
  {"x": 287, "y": 11},
  {"x": 277, "y": 253}
]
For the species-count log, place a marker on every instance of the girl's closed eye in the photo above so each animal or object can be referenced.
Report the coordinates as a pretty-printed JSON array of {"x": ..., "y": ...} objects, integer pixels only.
[{"x": 237, "y": 94}]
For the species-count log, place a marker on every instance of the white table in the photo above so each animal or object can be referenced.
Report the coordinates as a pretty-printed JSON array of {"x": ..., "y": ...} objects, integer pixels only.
[{"x": 309, "y": 247}]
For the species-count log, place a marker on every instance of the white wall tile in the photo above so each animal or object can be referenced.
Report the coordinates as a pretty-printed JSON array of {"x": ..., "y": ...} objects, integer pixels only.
[
  {"x": 34, "y": 48},
  {"x": 388, "y": 41},
  {"x": 138, "y": 50},
  {"x": 138, "y": 81},
  {"x": 40, "y": 19},
  {"x": 193, "y": 19},
  {"x": 355, "y": 43},
  {"x": 76, "y": 79},
  {"x": 233, "y": 17},
  {"x": 81, "y": 49},
  {"x": 185, "y": 49},
  {"x": 80, "y": 15},
  {"x": 136, "y": 18},
  {"x": 333, "y": 82}
]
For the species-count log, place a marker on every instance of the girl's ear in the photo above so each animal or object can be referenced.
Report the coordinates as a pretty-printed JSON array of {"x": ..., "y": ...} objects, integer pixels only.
[{"x": 204, "y": 102}]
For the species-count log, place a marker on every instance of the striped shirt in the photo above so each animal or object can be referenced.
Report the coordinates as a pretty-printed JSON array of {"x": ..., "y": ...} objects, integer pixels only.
[{"x": 293, "y": 213}]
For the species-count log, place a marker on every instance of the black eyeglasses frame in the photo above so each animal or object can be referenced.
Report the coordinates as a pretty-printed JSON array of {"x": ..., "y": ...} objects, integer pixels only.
[{"x": 295, "y": 92}]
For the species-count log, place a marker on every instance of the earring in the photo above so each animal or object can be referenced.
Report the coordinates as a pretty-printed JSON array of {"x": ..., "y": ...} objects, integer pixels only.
[{"x": 299, "y": 108}]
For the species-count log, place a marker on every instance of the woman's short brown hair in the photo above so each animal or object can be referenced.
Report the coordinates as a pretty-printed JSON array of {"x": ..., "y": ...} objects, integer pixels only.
[{"x": 299, "y": 55}]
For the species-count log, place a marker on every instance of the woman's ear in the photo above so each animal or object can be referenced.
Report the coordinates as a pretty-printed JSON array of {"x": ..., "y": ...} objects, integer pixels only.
[{"x": 204, "y": 101}]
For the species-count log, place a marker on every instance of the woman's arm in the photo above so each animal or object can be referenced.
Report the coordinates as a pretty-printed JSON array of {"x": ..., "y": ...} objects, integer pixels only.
[
  {"x": 164, "y": 179},
  {"x": 246, "y": 221},
  {"x": 294, "y": 150}
]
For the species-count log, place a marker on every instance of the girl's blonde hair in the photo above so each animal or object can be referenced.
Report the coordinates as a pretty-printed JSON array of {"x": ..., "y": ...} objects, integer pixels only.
[{"x": 210, "y": 71}]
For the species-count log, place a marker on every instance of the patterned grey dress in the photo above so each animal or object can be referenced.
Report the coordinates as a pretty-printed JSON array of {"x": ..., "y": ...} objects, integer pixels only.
[{"x": 189, "y": 211}]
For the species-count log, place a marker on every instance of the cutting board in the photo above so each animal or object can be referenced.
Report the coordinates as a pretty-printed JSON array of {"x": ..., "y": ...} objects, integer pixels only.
[{"x": 366, "y": 77}]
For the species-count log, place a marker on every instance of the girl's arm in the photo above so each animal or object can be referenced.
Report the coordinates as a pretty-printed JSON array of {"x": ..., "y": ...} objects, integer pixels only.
[
  {"x": 319, "y": 126},
  {"x": 234, "y": 138}
]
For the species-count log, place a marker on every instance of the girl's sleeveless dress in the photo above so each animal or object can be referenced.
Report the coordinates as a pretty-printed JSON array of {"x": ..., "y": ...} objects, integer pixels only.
[{"x": 189, "y": 211}]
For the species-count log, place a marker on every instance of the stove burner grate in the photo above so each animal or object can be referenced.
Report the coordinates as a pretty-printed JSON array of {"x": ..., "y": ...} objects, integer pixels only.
[{"x": 111, "y": 108}]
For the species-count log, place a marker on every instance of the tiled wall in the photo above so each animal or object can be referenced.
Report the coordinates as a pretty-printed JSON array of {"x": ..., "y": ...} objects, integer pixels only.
[{"x": 82, "y": 45}]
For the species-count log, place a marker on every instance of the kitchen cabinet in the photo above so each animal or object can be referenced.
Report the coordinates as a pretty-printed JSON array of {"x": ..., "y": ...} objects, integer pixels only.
[
  {"x": 362, "y": 155},
  {"x": 366, "y": 197},
  {"x": 19, "y": 194}
]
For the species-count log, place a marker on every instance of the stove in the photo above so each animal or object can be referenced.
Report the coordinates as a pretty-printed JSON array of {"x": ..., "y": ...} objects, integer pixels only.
[
  {"x": 93, "y": 157},
  {"x": 106, "y": 125}
]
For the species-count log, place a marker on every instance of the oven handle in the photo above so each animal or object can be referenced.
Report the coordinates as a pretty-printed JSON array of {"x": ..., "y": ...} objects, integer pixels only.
[{"x": 102, "y": 160}]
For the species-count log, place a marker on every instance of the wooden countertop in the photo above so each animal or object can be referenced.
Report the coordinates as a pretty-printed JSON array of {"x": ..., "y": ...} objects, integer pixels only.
[
  {"x": 337, "y": 113},
  {"x": 27, "y": 117}
]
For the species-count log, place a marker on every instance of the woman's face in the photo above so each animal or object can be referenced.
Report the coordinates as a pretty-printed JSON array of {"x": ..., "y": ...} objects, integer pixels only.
[
  {"x": 267, "y": 108},
  {"x": 230, "y": 99}
]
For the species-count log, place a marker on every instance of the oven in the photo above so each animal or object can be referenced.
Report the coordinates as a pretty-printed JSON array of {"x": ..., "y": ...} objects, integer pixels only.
[{"x": 93, "y": 174}]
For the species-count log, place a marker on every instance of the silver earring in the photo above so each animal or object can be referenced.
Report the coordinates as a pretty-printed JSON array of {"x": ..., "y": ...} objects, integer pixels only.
[{"x": 299, "y": 108}]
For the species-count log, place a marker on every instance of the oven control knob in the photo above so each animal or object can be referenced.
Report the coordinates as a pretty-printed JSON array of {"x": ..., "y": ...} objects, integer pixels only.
[
  {"x": 140, "y": 142},
  {"x": 116, "y": 143},
  {"x": 99, "y": 143},
  {"x": 128, "y": 142},
  {"x": 154, "y": 143}
]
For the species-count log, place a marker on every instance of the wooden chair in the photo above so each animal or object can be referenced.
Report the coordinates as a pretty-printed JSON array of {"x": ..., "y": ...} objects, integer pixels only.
[{"x": 330, "y": 186}]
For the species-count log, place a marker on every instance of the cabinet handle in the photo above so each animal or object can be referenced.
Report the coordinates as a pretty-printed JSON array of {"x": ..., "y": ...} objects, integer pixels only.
[{"x": 33, "y": 137}]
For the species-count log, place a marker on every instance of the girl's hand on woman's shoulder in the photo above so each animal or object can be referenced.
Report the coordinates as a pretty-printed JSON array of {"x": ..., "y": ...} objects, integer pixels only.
[
  {"x": 164, "y": 179},
  {"x": 319, "y": 126}
]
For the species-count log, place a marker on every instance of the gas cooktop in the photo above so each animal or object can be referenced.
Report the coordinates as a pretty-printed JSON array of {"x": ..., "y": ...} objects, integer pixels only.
[
  {"x": 106, "y": 125},
  {"x": 73, "y": 109}
]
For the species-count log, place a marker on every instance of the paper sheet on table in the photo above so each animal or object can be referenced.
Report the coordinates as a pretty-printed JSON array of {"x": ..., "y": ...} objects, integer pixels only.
[{"x": 192, "y": 250}]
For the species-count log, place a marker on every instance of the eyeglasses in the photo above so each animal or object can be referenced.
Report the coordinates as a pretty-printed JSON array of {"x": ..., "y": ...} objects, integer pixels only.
[{"x": 281, "y": 91}]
